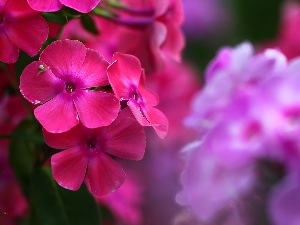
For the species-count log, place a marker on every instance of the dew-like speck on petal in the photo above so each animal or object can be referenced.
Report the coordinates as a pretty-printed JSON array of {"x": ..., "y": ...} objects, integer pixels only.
[{"x": 36, "y": 102}]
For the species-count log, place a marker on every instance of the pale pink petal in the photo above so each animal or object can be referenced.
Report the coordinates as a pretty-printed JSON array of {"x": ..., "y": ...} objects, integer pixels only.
[
  {"x": 124, "y": 73},
  {"x": 21, "y": 33},
  {"x": 125, "y": 139},
  {"x": 16, "y": 9},
  {"x": 104, "y": 175},
  {"x": 39, "y": 86},
  {"x": 96, "y": 108},
  {"x": 8, "y": 52},
  {"x": 45, "y": 6},
  {"x": 138, "y": 112},
  {"x": 158, "y": 120},
  {"x": 93, "y": 70},
  {"x": 58, "y": 115},
  {"x": 64, "y": 57},
  {"x": 69, "y": 167},
  {"x": 71, "y": 138},
  {"x": 81, "y": 6}
]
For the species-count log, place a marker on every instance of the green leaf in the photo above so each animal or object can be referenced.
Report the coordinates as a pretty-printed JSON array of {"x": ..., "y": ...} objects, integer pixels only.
[
  {"x": 55, "y": 205},
  {"x": 89, "y": 24},
  {"x": 25, "y": 145},
  {"x": 62, "y": 16}
]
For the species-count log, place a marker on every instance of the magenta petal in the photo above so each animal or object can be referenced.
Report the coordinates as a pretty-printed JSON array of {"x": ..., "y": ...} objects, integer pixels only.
[
  {"x": 124, "y": 72},
  {"x": 23, "y": 32},
  {"x": 69, "y": 167},
  {"x": 104, "y": 175},
  {"x": 8, "y": 52},
  {"x": 126, "y": 139},
  {"x": 149, "y": 97},
  {"x": 39, "y": 86},
  {"x": 93, "y": 70},
  {"x": 81, "y": 6},
  {"x": 64, "y": 57},
  {"x": 45, "y": 6},
  {"x": 67, "y": 139},
  {"x": 58, "y": 115},
  {"x": 138, "y": 113},
  {"x": 158, "y": 120},
  {"x": 16, "y": 9},
  {"x": 96, "y": 108}
]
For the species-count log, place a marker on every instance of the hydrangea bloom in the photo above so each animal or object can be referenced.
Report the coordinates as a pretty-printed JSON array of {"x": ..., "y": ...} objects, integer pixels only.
[
  {"x": 248, "y": 119},
  {"x": 88, "y": 153},
  {"x": 17, "y": 23},
  {"x": 55, "y": 5},
  {"x": 63, "y": 81},
  {"x": 127, "y": 79}
]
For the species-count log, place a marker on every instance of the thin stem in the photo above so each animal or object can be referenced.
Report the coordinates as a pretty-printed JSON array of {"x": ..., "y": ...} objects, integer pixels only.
[{"x": 14, "y": 85}]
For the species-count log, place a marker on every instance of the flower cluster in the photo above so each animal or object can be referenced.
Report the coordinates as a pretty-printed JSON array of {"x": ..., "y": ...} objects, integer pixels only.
[
  {"x": 90, "y": 98},
  {"x": 247, "y": 117},
  {"x": 80, "y": 115}
]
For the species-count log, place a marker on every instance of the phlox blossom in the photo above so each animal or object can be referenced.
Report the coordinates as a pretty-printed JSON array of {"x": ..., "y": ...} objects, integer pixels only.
[
  {"x": 19, "y": 26},
  {"x": 55, "y": 5},
  {"x": 63, "y": 81},
  {"x": 87, "y": 155},
  {"x": 127, "y": 79},
  {"x": 247, "y": 153}
]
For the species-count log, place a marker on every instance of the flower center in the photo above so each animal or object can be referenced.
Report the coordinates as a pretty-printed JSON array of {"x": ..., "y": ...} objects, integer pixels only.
[
  {"x": 70, "y": 87},
  {"x": 91, "y": 143},
  {"x": 137, "y": 96}
]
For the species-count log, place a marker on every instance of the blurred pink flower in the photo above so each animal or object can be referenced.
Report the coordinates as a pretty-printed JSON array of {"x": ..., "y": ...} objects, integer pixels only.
[
  {"x": 125, "y": 203},
  {"x": 63, "y": 81},
  {"x": 127, "y": 79},
  {"x": 17, "y": 21},
  {"x": 87, "y": 155},
  {"x": 55, "y": 5},
  {"x": 247, "y": 116},
  {"x": 288, "y": 37}
]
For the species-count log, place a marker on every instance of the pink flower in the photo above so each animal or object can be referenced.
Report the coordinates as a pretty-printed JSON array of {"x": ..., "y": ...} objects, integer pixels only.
[
  {"x": 87, "y": 155},
  {"x": 125, "y": 203},
  {"x": 19, "y": 26},
  {"x": 55, "y": 5},
  {"x": 128, "y": 82},
  {"x": 64, "y": 82}
]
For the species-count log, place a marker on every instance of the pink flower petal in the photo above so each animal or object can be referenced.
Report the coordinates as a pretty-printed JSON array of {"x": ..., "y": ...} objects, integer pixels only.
[
  {"x": 64, "y": 57},
  {"x": 158, "y": 120},
  {"x": 175, "y": 41},
  {"x": 138, "y": 112},
  {"x": 16, "y": 9},
  {"x": 93, "y": 70},
  {"x": 150, "y": 98},
  {"x": 8, "y": 52},
  {"x": 45, "y": 6},
  {"x": 39, "y": 86},
  {"x": 81, "y": 6},
  {"x": 23, "y": 32},
  {"x": 69, "y": 167},
  {"x": 126, "y": 139},
  {"x": 58, "y": 115},
  {"x": 69, "y": 139},
  {"x": 123, "y": 73},
  {"x": 96, "y": 108},
  {"x": 104, "y": 175}
]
